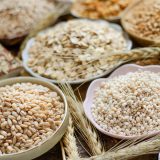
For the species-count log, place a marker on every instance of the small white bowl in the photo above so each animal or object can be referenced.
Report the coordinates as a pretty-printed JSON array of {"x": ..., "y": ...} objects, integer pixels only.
[
  {"x": 30, "y": 43},
  {"x": 52, "y": 140},
  {"x": 96, "y": 83}
]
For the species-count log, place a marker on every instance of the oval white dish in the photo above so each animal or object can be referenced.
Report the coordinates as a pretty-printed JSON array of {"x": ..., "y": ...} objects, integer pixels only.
[{"x": 25, "y": 57}]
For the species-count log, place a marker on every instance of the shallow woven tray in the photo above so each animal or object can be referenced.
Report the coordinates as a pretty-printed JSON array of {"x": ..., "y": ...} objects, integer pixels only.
[{"x": 140, "y": 40}]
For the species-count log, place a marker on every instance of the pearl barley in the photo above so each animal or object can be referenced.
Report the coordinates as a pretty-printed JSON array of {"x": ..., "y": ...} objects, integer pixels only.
[{"x": 129, "y": 104}]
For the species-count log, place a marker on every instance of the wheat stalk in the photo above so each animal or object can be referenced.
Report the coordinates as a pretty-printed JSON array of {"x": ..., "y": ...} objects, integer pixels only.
[
  {"x": 110, "y": 62},
  {"x": 88, "y": 133},
  {"x": 133, "y": 150},
  {"x": 69, "y": 142},
  {"x": 137, "y": 54},
  {"x": 117, "y": 59}
]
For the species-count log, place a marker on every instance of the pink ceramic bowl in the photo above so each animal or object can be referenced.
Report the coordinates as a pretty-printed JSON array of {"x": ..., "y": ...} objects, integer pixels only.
[{"x": 90, "y": 94}]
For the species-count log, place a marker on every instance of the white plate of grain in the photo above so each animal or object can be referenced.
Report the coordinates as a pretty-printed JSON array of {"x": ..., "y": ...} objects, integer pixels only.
[{"x": 30, "y": 43}]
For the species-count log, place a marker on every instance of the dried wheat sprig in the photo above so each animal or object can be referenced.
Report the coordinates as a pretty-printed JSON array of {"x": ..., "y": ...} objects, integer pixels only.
[
  {"x": 63, "y": 151},
  {"x": 46, "y": 22},
  {"x": 117, "y": 59},
  {"x": 69, "y": 143},
  {"x": 145, "y": 147},
  {"x": 128, "y": 143},
  {"x": 88, "y": 133},
  {"x": 138, "y": 54},
  {"x": 135, "y": 54}
]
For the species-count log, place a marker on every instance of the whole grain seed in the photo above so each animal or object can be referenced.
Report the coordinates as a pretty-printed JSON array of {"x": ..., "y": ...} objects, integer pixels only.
[
  {"x": 21, "y": 129},
  {"x": 75, "y": 46},
  {"x": 128, "y": 105}
]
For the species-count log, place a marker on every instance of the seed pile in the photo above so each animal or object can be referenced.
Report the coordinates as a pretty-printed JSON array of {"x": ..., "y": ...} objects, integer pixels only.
[
  {"x": 69, "y": 51},
  {"x": 144, "y": 20},
  {"x": 29, "y": 114},
  {"x": 7, "y": 62},
  {"x": 128, "y": 105},
  {"x": 100, "y": 8},
  {"x": 17, "y": 17}
]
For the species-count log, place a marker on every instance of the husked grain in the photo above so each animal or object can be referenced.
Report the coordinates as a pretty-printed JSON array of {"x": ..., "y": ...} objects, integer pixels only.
[{"x": 128, "y": 105}]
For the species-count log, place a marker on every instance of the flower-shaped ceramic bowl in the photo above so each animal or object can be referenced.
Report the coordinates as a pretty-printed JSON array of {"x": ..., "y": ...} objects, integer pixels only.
[
  {"x": 30, "y": 43},
  {"x": 96, "y": 83},
  {"x": 51, "y": 141}
]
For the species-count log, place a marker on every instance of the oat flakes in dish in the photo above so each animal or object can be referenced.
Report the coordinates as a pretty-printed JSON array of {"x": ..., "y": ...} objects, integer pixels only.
[
  {"x": 17, "y": 17},
  {"x": 29, "y": 115},
  {"x": 71, "y": 50}
]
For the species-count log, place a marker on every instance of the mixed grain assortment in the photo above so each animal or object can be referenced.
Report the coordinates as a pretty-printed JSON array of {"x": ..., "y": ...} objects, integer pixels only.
[
  {"x": 71, "y": 50},
  {"x": 29, "y": 114},
  {"x": 106, "y": 9},
  {"x": 8, "y": 63},
  {"x": 144, "y": 20},
  {"x": 17, "y": 17},
  {"x": 128, "y": 105}
]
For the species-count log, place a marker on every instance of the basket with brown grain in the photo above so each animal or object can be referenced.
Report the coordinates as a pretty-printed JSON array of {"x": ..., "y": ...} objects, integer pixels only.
[{"x": 142, "y": 22}]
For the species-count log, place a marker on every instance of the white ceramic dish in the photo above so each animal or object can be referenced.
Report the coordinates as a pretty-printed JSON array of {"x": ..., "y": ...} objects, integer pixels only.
[
  {"x": 25, "y": 57},
  {"x": 90, "y": 94},
  {"x": 51, "y": 141}
]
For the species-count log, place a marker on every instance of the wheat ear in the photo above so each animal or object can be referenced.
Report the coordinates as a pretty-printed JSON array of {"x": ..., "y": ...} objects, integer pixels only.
[
  {"x": 131, "y": 151},
  {"x": 119, "y": 58},
  {"x": 69, "y": 143},
  {"x": 87, "y": 131},
  {"x": 136, "y": 54}
]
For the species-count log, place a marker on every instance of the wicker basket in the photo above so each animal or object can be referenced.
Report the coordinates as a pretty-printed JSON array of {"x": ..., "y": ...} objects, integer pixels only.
[{"x": 140, "y": 40}]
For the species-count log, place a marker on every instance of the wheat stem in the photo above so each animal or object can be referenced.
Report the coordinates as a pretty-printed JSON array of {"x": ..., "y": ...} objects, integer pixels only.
[
  {"x": 88, "y": 133},
  {"x": 69, "y": 143},
  {"x": 143, "y": 148}
]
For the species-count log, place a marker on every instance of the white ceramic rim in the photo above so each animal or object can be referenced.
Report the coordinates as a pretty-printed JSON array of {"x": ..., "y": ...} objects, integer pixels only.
[
  {"x": 61, "y": 94},
  {"x": 25, "y": 56},
  {"x": 90, "y": 92}
]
